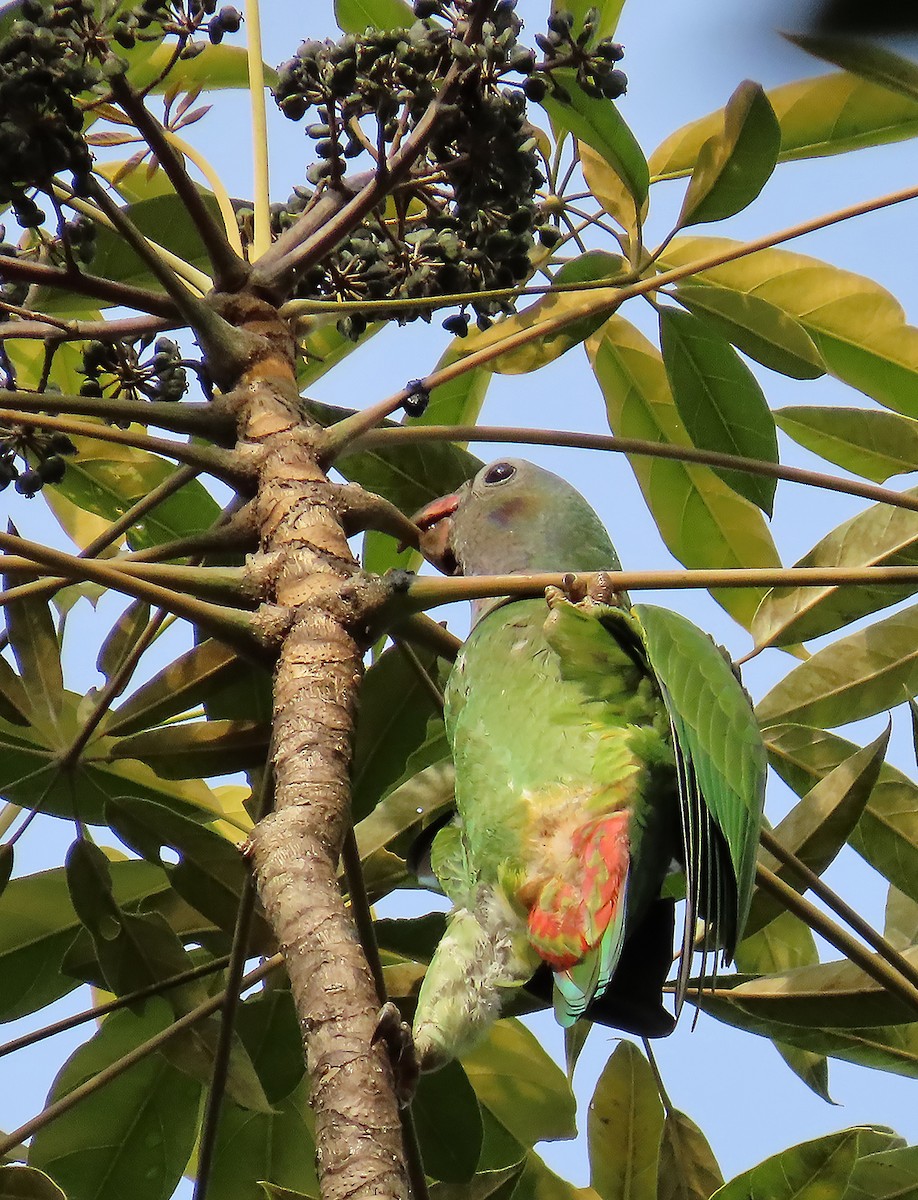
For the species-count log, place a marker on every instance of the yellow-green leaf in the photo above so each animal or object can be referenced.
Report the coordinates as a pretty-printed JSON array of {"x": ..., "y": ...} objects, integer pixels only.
[
  {"x": 702, "y": 521},
  {"x": 758, "y": 328},
  {"x": 625, "y": 1128},
  {"x": 865, "y": 673},
  {"x": 688, "y": 1168},
  {"x": 874, "y": 445},
  {"x": 734, "y": 164},
  {"x": 878, "y": 536},
  {"x": 609, "y": 189},
  {"x": 863, "y": 58},
  {"x": 858, "y": 326},
  {"x": 830, "y": 114},
  {"x": 887, "y": 833},
  {"x": 817, "y": 1170}
]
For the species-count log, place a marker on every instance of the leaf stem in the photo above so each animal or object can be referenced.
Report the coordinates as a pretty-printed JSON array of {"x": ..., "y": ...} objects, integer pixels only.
[
  {"x": 405, "y": 434},
  {"x": 102, "y": 1010},
  {"x": 871, "y": 964},
  {"x": 223, "y": 464},
  {"x": 428, "y": 592},
  {"x": 225, "y": 204},
  {"x": 833, "y": 901},
  {"x": 150, "y": 1046},
  {"x": 261, "y": 192}
]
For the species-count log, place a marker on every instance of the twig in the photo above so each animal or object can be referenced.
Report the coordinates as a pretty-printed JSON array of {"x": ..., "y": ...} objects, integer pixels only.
[
  {"x": 406, "y": 434},
  {"x": 150, "y": 1046},
  {"x": 212, "y": 420},
  {"x": 92, "y": 286}
]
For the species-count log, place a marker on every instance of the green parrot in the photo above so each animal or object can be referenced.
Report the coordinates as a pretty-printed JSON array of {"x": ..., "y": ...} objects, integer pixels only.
[{"x": 596, "y": 746}]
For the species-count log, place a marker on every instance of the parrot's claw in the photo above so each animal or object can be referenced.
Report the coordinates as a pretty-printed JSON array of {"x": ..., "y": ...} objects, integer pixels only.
[
  {"x": 396, "y": 1035},
  {"x": 603, "y": 591}
]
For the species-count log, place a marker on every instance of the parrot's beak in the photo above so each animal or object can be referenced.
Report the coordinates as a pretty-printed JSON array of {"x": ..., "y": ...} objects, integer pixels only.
[{"x": 435, "y": 526}]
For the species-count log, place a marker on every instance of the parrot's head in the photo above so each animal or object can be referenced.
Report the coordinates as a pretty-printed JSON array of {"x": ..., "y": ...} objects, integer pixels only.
[{"x": 513, "y": 518}]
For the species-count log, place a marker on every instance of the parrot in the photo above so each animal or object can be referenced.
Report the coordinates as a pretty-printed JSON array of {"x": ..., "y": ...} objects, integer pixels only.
[{"x": 599, "y": 749}]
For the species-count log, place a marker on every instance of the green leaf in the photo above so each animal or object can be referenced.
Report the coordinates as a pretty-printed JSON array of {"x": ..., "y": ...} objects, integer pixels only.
[
  {"x": 714, "y": 725},
  {"x": 15, "y": 706},
  {"x": 816, "y": 1170},
  {"x": 817, "y": 828},
  {"x": 734, "y": 165},
  {"x": 211, "y": 873},
  {"x": 406, "y": 806},
  {"x": 355, "y": 16},
  {"x": 783, "y": 944},
  {"x": 891, "y": 1048},
  {"x": 887, "y": 833},
  {"x": 25, "y": 1183},
  {"x": 448, "y": 1123},
  {"x": 278, "y": 1148},
  {"x": 864, "y": 58},
  {"x": 587, "y": 311},
  {"x": 182, "y": 685},
  {"x": 609, "y": 12},
  {"x": 609, "y": 190},
  {"x": 122, "y": 638},
  {"x": 719, "y": 400},
  {"x": 600, "y": 125},
  {"x": 702, "y": 521},
  {"x": 216, "y": 67},
  {"x": 33, "y": 640},
  {"x": 874, "y": 445},
  {"x": 837, "y": 995},
  {"x": 688, "y": 1168},
  {"x": 831, "y": 114},
  {"x": 37, "y": 925},
  {"x": 759, "y": 329},
  {"x": 878, "y": 536},
  {"x": 135, "y": 1136},
  {"x": 625, "y": 1128},
  {"x": 392, "y": 719},
  {"x": 860, "y": 675},
  {"x": 484, "y": 1185},
  {"x": 197, "y": 749},
  {"x": 888, "y": 1175},
  {"x": 858, "y": 327},
  {"x": 527, "y": 1092},
  {"x": 901, "y": 926}
]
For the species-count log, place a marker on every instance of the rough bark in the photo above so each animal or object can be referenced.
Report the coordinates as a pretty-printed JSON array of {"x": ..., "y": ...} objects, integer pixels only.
[{"x": 296, "y": 849}]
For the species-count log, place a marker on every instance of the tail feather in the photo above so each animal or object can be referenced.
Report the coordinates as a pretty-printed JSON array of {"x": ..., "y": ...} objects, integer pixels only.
[{"x": 577, "y": 924}]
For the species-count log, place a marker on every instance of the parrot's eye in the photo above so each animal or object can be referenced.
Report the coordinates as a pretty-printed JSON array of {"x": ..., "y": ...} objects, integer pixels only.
[{"x": 499, "y": 472}]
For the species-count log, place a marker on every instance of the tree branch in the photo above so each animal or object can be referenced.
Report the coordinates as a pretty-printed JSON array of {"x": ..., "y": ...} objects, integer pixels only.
[
  {"x": 211, "y": 420},
  {"x": 92, "y": 286},
  {"x": 229, "y": 270},
  {"x": 412, "y": 434}
]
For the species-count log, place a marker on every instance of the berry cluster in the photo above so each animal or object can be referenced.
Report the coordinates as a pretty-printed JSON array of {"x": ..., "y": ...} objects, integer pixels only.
[
  {"x": 454, "y": 225},
  {"x": 451, "y": 226},
  {"x": 78, "y": 239},
  {"x": 117, "y": 369},
  {"x": 46, "y": 59},
  {"x": 151, "y": 20},
  {"x": 13, "y": 292},
  {"x": 46, "y": 450},
  {"x": 594, "y": 66}
]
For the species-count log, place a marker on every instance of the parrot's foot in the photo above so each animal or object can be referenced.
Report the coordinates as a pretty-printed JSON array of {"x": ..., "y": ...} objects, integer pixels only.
[
  {"x": 396, "y": 1035},
  {"x": 603, "y": 591}
]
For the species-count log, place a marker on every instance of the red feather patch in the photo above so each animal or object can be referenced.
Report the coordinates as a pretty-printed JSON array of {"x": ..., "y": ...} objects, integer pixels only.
[{"x": 571, "y": 914}]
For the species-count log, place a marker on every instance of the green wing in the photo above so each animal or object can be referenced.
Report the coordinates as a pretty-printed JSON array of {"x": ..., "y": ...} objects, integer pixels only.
[{"x": 722, "y": 765}]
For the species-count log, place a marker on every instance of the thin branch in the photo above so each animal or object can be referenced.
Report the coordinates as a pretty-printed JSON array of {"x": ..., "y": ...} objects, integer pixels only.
[
  {"x": 211, "y": 420},
  {"x": 404, "y": 434},
  {"x": 207, "y": 1140},
  {"x": 230, "y": 271},
  {"x": 144, "y": 1050},
  {"x": 604, "y": 306},
  {"x": 92, "y": 286},
  {"x": 48, "y": 587},
  {"x": 228, "y": 624},
  {"x": 871, "y": 964},
  {"x": 426, "y": 680},
  {"x": 223, "y": 464},
  {"x": 423, "y": 592},
  {"x": 102, "y": 1010},
  {"x": 261, "y": 193},
  {"x": 41, "y": 327},
  {"x": 833, "y": 901}
]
